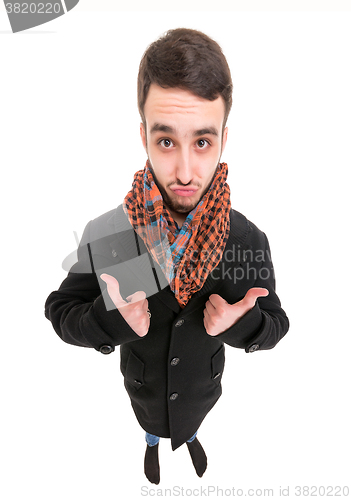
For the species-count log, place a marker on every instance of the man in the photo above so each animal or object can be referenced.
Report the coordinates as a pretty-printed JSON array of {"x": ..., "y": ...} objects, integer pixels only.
[{"x": 194, "y": 273}]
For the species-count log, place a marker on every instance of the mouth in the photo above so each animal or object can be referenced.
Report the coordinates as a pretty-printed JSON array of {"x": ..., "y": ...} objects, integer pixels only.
[{"x": 184, "y": 192}]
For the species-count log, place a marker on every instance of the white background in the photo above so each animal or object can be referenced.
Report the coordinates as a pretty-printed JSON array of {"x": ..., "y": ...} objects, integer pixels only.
[{"x": 70, "y": 145}]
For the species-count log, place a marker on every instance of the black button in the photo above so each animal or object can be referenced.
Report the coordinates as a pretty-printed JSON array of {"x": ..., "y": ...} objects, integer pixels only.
[
  {"x": 179, "y": 323},
  {"x": 106, "y": 349},
  {"x": 137, "y": 382},
  {"x": 175, "y": 361},
  {"x": 254, "y": 348},
  {"x": 173, "y": 396}
]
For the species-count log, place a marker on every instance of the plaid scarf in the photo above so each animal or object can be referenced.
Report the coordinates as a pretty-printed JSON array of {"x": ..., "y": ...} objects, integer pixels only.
[{"x": 189, "y": 254}]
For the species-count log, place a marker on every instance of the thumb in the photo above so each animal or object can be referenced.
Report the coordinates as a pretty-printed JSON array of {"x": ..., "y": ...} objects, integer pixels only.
[
  {"x": 253, "y": 294},
  {"x": 136, "y": 296},
  {"x": 217, "y": 300},
  {"x": 113, "y": 289}
]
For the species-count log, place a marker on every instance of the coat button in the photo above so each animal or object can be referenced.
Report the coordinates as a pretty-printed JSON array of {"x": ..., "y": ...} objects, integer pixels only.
[
  {"x": 106, "y": 349},
  {"x": 114, "y": 253},
  {"x": 179, "y": 323},
  {"x": 175, "y": 361},
  {"x": 254, "y": 348},
  {"x": 173, "y": 396}
]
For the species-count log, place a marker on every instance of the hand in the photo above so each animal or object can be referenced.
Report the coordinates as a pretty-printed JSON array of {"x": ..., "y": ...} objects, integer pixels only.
[
  {"x": 219, "y": 315},
  {"x": 135, "y": 311}
]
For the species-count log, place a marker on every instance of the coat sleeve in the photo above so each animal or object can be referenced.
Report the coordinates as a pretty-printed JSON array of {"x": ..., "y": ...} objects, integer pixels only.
[
  {"x": 78, "y": 312},
  {"x": 266, "y": 323}
]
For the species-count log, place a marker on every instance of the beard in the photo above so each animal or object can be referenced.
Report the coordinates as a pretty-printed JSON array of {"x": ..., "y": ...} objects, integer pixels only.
[{"x": 172, "y": 203}]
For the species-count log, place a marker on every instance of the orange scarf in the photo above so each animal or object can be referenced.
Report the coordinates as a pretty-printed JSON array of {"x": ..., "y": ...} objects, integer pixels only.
[{"x": 189, "y": 254}]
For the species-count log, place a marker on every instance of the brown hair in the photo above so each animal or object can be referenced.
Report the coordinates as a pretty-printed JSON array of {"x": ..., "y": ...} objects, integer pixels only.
[{"x": 187, "y": 59}]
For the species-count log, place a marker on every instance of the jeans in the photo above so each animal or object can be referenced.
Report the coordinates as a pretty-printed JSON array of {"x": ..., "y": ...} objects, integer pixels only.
[{"x": 153, "y": 440}]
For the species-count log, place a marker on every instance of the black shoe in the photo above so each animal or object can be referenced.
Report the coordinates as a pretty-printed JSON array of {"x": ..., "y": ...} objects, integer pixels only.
[
  {"x": 151, "y": 465},
  {"x": 198, "y": 456}
]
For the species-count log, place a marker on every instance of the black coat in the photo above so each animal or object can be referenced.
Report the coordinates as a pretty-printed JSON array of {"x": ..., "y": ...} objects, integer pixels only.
[{"x": 173, "y": 374}]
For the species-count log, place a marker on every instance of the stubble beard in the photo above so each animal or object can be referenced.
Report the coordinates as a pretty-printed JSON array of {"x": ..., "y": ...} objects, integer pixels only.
[{"x": 174, "y": 204}]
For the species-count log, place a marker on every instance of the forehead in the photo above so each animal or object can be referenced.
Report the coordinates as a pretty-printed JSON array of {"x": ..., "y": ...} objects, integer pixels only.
[{"x": 173, "y": 105}]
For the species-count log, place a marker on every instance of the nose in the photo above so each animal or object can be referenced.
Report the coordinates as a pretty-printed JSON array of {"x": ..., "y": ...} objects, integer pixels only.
[{"x": 184, "y": 169}]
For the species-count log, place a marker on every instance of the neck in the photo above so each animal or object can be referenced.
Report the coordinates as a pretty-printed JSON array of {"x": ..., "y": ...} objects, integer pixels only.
[{"x": 178, "y": 217}]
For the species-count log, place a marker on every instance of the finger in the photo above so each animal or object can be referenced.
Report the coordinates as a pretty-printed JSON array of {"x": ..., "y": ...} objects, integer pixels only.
[
  {"x": 217, "y": 301},
  {"x": 253, "y": 294},
  {"x": 206, "y": 319},
  {"x": 207, "y": 322},
  {"x": 144, "y": 303},
  {"x": 107, "y": 278},
  {"x": 136, "y": 297},
  {"x": 258, "y": 292},
  {"x": 113, "y": 289},
  {"x": 210, "y": 309}
]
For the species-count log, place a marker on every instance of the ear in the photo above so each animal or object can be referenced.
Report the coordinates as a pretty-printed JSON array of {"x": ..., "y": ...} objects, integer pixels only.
[
  {"x": 225, "y": 137},
  {"x": 143, "y": 135}
]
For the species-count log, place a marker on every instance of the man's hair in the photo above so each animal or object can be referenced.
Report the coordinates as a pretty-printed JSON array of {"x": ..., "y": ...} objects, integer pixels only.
[{"x": 187, "y": 59}]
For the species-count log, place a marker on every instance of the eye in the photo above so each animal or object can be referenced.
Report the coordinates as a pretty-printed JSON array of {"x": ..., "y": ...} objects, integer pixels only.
[
  {"x": 202, "y": 143},
  {"x": 167, "y": 143}
]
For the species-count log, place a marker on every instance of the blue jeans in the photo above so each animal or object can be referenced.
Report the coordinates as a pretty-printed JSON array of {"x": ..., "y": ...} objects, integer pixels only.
[{"x": 153, "y": 440}]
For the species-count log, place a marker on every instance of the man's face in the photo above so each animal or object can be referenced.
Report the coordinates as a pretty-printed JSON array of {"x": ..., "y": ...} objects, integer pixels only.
[{"x": 183, "y": 142}]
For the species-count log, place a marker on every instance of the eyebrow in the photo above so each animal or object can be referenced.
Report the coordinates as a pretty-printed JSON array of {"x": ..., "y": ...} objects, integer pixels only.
[{"x": 160, "y": 127}]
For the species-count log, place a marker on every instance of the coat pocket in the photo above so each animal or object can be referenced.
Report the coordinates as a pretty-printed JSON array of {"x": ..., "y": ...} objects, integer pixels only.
[
  {"x": 217, "y": 365},
  {"x": 135, "y": 371}
]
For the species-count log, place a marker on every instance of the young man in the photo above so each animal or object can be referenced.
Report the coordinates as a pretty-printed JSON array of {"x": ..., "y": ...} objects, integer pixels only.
[{"x": 194, "y": 273}]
